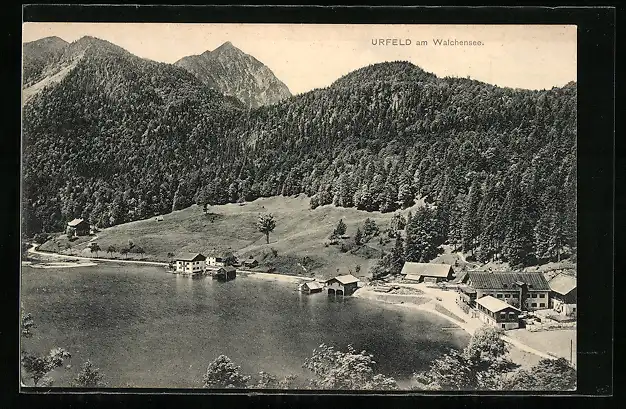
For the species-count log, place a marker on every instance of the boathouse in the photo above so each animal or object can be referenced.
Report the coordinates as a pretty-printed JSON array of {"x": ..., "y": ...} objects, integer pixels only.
[
  {"x": 226, "y": 273},
  {"x": 190, "y": 263},
  {"x": 77, "y": 227},
  {"x": 497, "y": 313},
  {"x": 563, "y": 294},
  {"x": 311, "y": 287},
  {"x": 342, "y": 285},
  {"x": 250, "y": 263},
  {"x": 427, "y": 272}
]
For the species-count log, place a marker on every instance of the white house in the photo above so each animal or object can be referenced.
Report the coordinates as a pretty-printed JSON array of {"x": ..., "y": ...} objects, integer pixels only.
[
  {"x": 215, "y": 261},
  {"x": 190, "y": 263},
  {"x": 498, "y": 313}
]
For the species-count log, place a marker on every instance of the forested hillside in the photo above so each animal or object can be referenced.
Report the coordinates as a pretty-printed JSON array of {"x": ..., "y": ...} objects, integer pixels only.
[
  {"x": 122, "y": 138},
  {"x": 38, "y": 55}
]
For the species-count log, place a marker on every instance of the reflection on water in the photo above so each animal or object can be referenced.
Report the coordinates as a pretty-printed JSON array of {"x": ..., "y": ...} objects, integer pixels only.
[{"x": 146, "y": 328}]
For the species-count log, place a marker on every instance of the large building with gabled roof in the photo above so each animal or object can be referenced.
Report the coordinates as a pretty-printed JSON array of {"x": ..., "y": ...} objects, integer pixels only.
[
  {"x": 426, "y": 272},
  {"x": 524, "y": 290},
  {"x": 190, "y": 263}
]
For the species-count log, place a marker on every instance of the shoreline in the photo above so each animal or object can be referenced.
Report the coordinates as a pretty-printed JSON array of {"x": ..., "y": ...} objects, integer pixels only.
[{"x": 426, "y": 306}]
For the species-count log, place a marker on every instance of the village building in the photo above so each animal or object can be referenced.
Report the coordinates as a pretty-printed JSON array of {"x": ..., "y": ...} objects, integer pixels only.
[
  {"x": 498, "y": 313},
  {"x": 467, "y": 295},
  {"x": 190, "y": 263},
  {"x": 215, "y": 261},
  {"x": 526, "y": 291},
  {"x": 226, "y": 273},
  {"x": 427, "y": 272},
  {"x": 342, "y": 285},
  {"x": 311, "y": 287},
  {"x": 250, "y": 263},
  {"x": 78, "y": 227},
  {"x": 563, "y": 294}
]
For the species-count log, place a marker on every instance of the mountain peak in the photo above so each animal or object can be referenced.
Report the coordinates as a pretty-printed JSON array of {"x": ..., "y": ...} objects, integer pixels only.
[{"x": 232, "y": 72}]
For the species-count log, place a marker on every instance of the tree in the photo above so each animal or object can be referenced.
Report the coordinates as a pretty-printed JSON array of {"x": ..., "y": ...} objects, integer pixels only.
[
  {"x": 349, "y": 370},
  {"x": 546, "y": 375},
  {"x": 398, "y": 222},
  {"x": 340, "y": 230},
  {"x": 124, "y": 252},
  {"x": 27, "y": 325},
  {"x": 37, "y": 367},
  {"x": 370, "y": 229},
  {"x": 268, "y": 381},
  {"x": 480, "y": 366},
  {"x": 170, "y": 255},
  {"x": 397, "y": 256},
  {"x": 222, "y": 373},
  {"x": 111, "y": 249},
  {"x": 358, "y": 237},
  {"x": 421, "y": 237},
  {"x": 89, "y": 377},
  {"x": 95, "y": 248},
  {"x": 266, "y": 225},
  {"x": 230, "y": 259}
]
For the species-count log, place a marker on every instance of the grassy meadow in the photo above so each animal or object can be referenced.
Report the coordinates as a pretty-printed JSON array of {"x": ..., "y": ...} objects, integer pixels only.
[{"x": 298, "y": 245}]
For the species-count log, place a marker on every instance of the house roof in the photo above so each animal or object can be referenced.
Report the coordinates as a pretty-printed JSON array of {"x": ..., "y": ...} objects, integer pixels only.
[
  {"x": 500, "y": 280},
  {"x": 75, "y": 222},
  {"x": 190, "y": 257},
  {"x": 227, "y": 268},
  {"x": 314, "y": 285},
  {"x": 412, "y": 277},
  {"x": 493, "y": 304},
  {"x": 346, "y": 279},
  {"x": 426, "y": 269},
  {"x": 563, "y": 284}
]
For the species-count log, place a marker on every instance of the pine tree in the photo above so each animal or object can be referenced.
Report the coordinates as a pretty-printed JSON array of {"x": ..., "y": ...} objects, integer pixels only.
[
  {"x": 340, "y": 229},
  {"x": 358, "y": 237},
  {"x": 518, "y": 246},
  {"x": 470, "y": 227},
  {"x": 397, "y": 256}
]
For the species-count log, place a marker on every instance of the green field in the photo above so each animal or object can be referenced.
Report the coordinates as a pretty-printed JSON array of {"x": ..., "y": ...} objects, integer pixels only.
[{"x": 298, "y": 240}]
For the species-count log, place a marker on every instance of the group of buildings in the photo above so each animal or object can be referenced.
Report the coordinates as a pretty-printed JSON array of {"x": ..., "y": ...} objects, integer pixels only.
[{"x": 500, "y": 298}]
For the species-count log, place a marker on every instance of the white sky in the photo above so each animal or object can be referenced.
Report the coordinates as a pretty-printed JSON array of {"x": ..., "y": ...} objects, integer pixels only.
[{"x": 307, "y": 56}]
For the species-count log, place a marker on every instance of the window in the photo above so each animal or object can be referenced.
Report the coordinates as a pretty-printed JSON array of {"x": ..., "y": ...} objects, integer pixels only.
[
  {"x": 503, "y": 326},
  {"x": 534, "y": 305},
  {"x": 533, "y": 295},
  {"x": 503, "y": 315},
  {"x": 542, "y": 296},
  {"x": 499, "y": 295},
  {"x": 507, "y": 295},
  {"x": 511, "y": 316},
  {"x": 542, "y": 304},
  {"x": 515, "y": 295}
]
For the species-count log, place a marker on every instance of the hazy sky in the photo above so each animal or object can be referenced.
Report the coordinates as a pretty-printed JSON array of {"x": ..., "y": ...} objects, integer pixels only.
[{"x": 307, "y": 56}]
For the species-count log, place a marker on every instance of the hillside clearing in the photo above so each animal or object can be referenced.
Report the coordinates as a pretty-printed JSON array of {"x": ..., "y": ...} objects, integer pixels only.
[{"x": 297, "y": 245}]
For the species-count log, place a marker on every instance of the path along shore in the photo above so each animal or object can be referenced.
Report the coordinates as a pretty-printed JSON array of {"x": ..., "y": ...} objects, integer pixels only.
[
  {"x": 90, "y": 261},
  {"x": 446, "y": 300}
]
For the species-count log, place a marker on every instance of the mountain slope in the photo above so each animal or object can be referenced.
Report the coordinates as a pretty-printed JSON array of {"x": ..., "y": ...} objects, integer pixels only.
[
  {"x": 235, "y": 73},
  {"x": 121, "y": 138},
  {"x": 37, "y": 55},
  {"x": 119, "y": 129}
]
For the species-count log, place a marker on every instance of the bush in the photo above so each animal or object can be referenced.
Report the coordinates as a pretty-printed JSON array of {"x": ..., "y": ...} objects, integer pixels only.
[{"x": 41, "y": 238}]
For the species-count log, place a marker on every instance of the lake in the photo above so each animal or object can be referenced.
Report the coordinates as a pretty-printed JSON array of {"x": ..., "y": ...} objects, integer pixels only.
[{"x": 145, "y": 328}]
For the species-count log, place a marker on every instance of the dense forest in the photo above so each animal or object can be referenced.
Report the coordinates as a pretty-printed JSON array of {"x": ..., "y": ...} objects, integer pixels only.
[{"x": 121, "y": 138}]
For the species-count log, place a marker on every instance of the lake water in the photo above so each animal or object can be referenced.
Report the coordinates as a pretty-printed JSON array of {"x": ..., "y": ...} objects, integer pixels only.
[{"x": 145, "y": 328}]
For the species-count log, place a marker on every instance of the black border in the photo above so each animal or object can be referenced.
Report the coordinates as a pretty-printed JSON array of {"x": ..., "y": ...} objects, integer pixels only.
[{"x": 596, "y": 75}]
